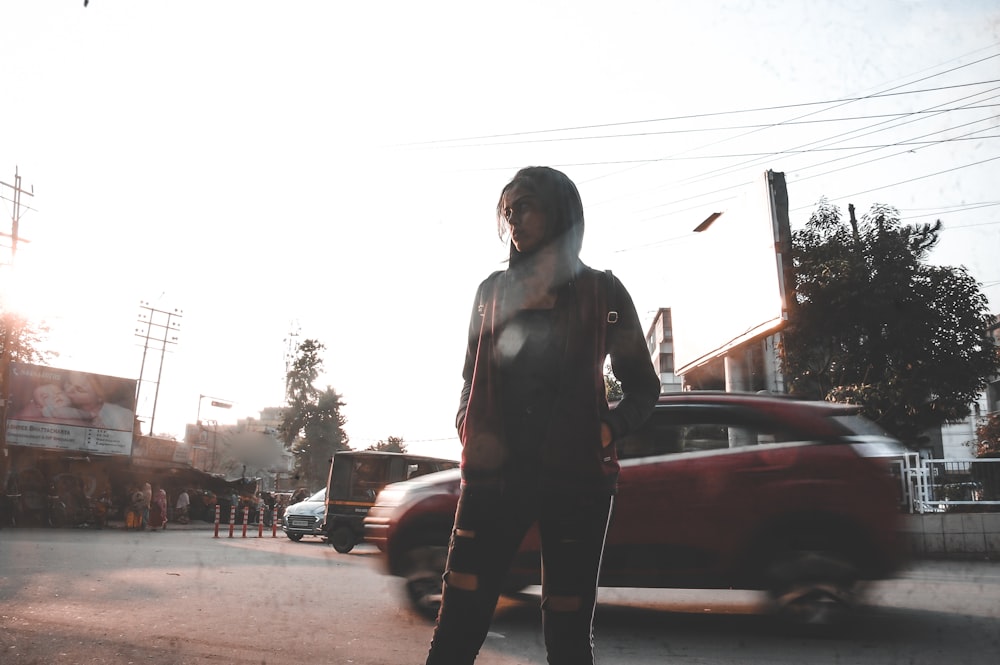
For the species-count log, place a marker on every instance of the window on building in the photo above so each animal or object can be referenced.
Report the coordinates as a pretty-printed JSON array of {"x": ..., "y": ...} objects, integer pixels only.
[{"x": 666, "y": 363}]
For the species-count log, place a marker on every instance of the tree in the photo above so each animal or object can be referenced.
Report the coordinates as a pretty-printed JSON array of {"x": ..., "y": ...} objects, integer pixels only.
[
  {"x": 312, "y": 426},
  {"x": 394, "y": 444},
  {"x": 20, "y": 340},
  {"x": 987, "y": 441},
  {"x": 612, "y": 386},
  {"x": 873, "y": 324}
]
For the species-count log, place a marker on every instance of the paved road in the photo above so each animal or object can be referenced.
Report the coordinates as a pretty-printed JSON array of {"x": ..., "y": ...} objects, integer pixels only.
[{"x": 182, "y": 596}]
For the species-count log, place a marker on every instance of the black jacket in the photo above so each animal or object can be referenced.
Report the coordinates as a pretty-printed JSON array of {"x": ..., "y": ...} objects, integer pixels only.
[{"x": 600, "y": 321}]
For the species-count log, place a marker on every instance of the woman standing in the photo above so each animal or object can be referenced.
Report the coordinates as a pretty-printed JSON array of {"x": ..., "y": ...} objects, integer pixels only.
[
  {"x": 536, "y": 428},
  {"x": 158, "y": 511}
]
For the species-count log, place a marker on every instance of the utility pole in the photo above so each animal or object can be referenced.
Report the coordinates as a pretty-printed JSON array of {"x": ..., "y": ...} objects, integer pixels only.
[
  {"x": 18, "y": 192},
  {"x": 292, "y": 342},
  {"x": 7, "y": 352},
  {"x": 158, "y": 331}
]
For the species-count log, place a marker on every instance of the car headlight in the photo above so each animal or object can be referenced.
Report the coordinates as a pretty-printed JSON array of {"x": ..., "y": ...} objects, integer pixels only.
[{"x": 401, "y": 494}]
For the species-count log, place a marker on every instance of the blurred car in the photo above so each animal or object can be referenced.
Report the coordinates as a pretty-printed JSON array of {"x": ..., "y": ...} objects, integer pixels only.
[
  {"x": 306, "y": 518},
  {"x": 717, "y": 491}
]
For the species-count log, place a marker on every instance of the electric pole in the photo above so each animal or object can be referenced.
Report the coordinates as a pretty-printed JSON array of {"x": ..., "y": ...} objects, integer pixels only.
[
  {"x": 7, "y": 352},
  {"x": 160, "y": 332}
]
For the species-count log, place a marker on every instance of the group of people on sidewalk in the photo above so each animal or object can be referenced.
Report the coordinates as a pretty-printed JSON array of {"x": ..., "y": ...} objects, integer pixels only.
[{"x": 147, "y": 509}]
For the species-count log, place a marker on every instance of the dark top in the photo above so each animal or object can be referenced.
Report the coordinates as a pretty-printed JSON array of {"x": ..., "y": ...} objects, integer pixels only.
[
  {"x": 529, "y": 379},
  {"x": 556, "y": 359}
]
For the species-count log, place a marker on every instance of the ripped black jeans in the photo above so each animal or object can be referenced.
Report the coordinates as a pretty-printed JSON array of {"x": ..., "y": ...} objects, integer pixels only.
[{"x": 490, "y": 524}]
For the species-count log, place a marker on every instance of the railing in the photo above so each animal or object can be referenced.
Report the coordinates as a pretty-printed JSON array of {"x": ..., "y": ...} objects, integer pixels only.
[{"x": 943, "y": 485}]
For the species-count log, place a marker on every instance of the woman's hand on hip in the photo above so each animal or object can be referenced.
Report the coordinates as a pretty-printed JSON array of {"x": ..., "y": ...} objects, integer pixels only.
[{"x": 606, "y": 436}]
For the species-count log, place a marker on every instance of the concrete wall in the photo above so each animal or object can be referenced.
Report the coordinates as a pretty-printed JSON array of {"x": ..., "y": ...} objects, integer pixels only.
[{"x": 953, "y": 535}]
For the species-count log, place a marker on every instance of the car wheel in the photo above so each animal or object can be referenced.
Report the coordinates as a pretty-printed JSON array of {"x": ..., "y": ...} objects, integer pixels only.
[
  {"x": 295, "y": 536},
  {"x": 342, "y": 539},
  {"x": 424, "y": 570},
  {"x": 813, "y": 589}
]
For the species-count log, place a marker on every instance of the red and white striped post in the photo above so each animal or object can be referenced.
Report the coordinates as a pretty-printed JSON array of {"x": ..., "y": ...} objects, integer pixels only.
[
  {"x": 246, "y": 518},
  {"x": 216, "y": 521},
  {"x": 232, "y": 520},
  {"x": 274, "y": 520}
]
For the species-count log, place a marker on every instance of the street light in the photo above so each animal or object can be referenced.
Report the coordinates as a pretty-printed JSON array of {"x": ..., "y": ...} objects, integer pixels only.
[{"x": 217, "y": 402}]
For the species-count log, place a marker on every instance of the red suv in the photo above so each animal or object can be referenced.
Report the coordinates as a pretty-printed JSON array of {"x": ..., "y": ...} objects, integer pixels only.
[{"x": 717, "y": 490}]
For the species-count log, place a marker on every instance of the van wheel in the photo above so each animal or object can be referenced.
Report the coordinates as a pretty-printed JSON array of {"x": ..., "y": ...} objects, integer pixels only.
[
  {"x": 295, "y": 536},
  {"x": 343, "y": 539}
]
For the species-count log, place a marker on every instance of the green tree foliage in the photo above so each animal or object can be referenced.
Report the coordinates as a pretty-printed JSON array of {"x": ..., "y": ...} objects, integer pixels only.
[
  {"x": 873, "y": 324},
  {"x": 312, "y": 426},
  {"x": 394, "y": 444},
  {"x": 612, "y": 386},
  {"x": 21, "y": 340},
  {"x": 987, "y": 441}
]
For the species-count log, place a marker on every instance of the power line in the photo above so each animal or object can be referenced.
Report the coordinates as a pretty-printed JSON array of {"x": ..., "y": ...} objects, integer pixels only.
[
  {"x": 863, "y": 148},
  {"x": 828, "y": 142},
  {"x": 957, "y": 206},
  {"x": 903, "y": 182},
  {"x": 722, "y": 128},
  {"x": 820, "y": 142},
  {"x": 721, "y": 171},
  {"x": 890, "y": 121},
  {"x": 922, "y": 144},
  {"x": 839, "y": 102},
  {"x": 726, "y": 170}
]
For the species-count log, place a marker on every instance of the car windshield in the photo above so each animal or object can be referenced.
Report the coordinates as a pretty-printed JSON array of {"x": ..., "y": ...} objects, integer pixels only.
[{"x": 318, "y": 496}]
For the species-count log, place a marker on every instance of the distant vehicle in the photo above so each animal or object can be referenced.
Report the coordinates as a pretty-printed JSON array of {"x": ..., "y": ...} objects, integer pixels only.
[
  {"x": 717, "y": 491},
  {"x": 306, "y": 518},
  {"x": 355, "y": 479}
]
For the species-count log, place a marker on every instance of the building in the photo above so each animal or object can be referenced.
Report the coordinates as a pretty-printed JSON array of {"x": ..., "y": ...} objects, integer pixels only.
[
  {"x": 249, "y": 449},
  {"x": 660, "y": 343},
  {"x": 955, "y": 438}
]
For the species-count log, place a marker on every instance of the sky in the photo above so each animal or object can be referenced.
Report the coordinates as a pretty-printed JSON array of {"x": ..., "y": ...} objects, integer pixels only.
[{"x": 276, "y": 172}]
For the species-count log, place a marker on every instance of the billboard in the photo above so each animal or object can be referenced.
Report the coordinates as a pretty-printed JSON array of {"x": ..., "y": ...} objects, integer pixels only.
[
  {"x": 68, "y": 410},
  {"x": 734, "y": 276}
]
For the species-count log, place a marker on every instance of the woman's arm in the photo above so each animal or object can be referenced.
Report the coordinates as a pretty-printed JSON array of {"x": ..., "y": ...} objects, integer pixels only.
[
  {"x": 632, "y": 366},
  {"x": 471, "y": 348}
]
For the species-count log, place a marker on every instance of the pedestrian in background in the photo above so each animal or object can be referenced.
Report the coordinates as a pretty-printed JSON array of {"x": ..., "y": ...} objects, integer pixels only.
[
  {"x": 536, "y": 428},
  {"x": 147, "y": 501},
  {"x": 158, "y": 510},
  {"x": 181, "y": 508}
]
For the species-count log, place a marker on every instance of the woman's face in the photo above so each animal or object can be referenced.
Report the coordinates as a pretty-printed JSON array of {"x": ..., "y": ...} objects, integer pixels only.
[
  {"x": 528, "y": 224},
  {"x": 81, "y": 392}
]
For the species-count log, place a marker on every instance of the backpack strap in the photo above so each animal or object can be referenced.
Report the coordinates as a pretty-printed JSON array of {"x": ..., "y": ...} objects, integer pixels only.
[
  {"x": 612, "y": 298},
  {"x": 482, "y": 293}
]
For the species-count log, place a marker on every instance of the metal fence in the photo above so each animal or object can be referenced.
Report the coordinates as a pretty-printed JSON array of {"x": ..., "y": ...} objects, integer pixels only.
[{"x": 948, "y": 485}]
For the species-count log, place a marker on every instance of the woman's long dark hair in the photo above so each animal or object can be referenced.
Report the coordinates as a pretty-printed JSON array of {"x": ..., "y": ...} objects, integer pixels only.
[{"x": 560, "y": 201}]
